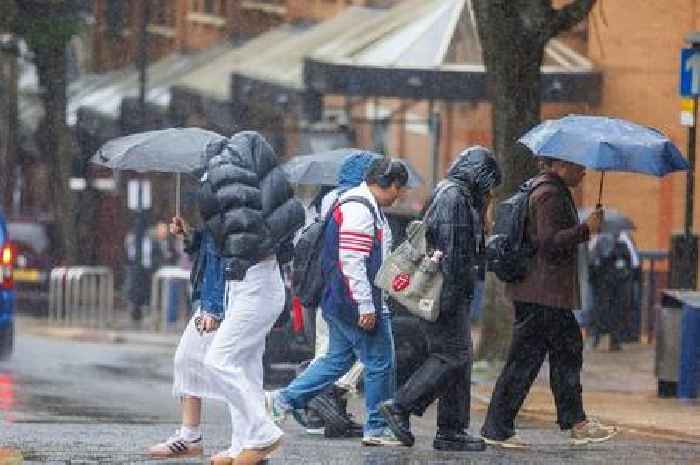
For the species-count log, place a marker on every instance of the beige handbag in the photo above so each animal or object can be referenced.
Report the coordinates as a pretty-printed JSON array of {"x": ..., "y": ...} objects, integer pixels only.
[{"x": 411, "y": 277}]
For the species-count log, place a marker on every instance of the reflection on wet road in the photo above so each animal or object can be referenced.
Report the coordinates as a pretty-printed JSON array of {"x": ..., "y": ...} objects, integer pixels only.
[{"x": 72, "y": 403}]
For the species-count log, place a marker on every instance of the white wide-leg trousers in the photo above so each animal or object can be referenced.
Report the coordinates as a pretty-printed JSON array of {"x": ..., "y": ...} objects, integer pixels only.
[{"x": 234, "y": 359}]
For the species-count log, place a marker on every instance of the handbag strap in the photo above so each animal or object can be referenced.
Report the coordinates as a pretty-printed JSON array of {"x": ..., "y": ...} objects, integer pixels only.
[{"x": 433, "y": 201}]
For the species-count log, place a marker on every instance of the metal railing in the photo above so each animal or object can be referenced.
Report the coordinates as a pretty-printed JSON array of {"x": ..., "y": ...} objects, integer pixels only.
[
  {"x": 159, "y": 291},
  {"x": 81, "y": 295}
]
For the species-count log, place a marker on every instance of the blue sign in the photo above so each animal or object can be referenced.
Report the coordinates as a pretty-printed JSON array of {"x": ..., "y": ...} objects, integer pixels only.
[{"x": 690, "y": 72}]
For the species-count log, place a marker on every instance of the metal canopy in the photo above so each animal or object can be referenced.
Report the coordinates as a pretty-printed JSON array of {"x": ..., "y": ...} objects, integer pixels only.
[{"x": 429, "y": 49}]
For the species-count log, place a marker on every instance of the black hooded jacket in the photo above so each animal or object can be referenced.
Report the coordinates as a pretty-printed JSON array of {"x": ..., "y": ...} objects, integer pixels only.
[
  {"x": 454, "y": 223},
  {"x": 247, "y": 202}
]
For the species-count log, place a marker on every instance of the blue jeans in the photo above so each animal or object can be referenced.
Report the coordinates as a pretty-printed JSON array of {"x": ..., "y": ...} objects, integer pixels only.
[{"x": 347, "y": 342}]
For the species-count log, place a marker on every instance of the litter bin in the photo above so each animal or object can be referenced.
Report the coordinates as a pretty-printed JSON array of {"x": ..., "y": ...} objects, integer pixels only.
[
  {"x": 689, "y": 370},
  {"x": 668, "y": 330},
  {"x": 678, "y": 344}
]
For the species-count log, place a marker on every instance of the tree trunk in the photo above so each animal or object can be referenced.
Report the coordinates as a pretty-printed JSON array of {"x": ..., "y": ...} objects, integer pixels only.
[
  {"x": 513, "y": 36},
  {"x": 56, "y": 146},
  {"x": 8, "y": 122}
]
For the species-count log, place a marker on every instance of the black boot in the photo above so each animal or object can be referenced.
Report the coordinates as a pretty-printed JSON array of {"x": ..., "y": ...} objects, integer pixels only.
[
  {"x": 354, "y": 430},
  {"x": 310, "y": 420},
  {"x": 331, "y": 406},
  {"x": 398, "y": 422},
  {"x": 458, "y": 441}
]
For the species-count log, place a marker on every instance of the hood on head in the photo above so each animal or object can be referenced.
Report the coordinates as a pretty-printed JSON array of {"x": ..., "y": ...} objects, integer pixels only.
[
  {"x": 352, "y": 171},
  {"x": 476, "y": 169}
]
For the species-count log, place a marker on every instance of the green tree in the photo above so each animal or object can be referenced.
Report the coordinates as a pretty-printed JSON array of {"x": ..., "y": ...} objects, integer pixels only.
[
  {"x": 47, "y": 26},
  {"x": 514, "y": 34}
]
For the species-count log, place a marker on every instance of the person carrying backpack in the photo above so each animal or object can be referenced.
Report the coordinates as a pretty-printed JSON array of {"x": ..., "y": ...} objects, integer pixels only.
[
  {"x": 356, "y": 238},
  {"x": 454, "y": 221},
  {"x": 327, "y": 412},
  {"x": 544, "y": 321}
]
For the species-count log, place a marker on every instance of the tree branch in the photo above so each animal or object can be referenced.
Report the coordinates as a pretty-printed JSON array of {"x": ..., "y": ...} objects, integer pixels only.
[{"x": 567, "y": 17}]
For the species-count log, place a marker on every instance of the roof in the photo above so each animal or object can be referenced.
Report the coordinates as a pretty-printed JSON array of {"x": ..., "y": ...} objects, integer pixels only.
[
  {"x": 103, "y": 93},
  {"x": 431, "y": 49},
  {"x": 427, "y": 34},
  {"x": 276, "y": 56}
]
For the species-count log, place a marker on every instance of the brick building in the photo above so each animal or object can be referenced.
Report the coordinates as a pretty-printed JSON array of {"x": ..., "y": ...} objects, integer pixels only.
[
  {"x": 185, "y": 25},
  {"x": 638, "y": 51}
]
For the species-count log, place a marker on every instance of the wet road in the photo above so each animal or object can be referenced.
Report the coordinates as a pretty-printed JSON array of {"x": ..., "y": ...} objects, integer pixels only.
[{"x": 83, "y": 403}]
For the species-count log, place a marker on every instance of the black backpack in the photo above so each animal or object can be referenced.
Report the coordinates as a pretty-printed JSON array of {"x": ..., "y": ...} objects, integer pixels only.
[
  {"x": 307, "y": 277},
  {"x": 508, "y": 252}
]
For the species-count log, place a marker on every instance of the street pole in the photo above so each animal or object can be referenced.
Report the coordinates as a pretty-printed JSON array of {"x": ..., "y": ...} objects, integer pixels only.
[
  {"x": 143, "y": 61},
  {"x": 141, "y": 220},
  {"x": 690, "y": 178},
  {"x": 683, "y": 269}
]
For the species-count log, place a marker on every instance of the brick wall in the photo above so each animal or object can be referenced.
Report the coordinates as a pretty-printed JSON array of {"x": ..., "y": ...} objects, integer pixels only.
[{"x": 638, "y": 50}]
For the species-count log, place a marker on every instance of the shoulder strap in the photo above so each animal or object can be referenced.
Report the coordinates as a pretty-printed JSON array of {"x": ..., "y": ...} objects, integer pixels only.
[{"x": 358, "y": 199}]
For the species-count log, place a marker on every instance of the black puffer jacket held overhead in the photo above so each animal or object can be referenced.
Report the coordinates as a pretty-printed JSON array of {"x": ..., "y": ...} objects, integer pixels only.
[{"x": 247, "y": 202}]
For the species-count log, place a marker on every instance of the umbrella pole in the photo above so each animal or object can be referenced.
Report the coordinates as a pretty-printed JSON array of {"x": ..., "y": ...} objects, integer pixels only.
[
  {"x": 600, "y": 190},
  {"x": 177, "y": 194}
]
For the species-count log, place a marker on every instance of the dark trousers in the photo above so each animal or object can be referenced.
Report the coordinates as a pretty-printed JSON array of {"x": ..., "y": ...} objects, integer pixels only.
[
  {"x": 445, "y": 375},
  {"x": 538, "y": 331}
]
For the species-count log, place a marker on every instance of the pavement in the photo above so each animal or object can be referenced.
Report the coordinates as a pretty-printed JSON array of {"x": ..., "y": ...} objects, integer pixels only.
[{"x": 618, "y": 387}]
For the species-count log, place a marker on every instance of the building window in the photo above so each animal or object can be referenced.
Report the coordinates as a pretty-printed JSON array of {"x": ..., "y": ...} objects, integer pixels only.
[
  {"x": 209, "y": 7},
  {"x": 163, "y": 13},
  {"x": 116, "y": 15}
]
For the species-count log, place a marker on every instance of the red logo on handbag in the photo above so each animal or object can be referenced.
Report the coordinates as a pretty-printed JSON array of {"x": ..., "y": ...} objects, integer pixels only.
[{"x": 401, "y": 282}]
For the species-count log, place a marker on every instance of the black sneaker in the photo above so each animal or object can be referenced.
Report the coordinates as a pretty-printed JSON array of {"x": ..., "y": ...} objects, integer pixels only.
[
  {"x": 398, "y": 422},
  {"x": 458, "y": 441}
]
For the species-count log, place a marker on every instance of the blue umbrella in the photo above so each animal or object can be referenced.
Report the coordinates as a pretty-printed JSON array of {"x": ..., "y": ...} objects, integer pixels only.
[{"x": 605, "y": 144}]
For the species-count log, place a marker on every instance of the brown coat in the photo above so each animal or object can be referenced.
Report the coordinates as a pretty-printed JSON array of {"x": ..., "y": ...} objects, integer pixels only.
[{"x": 553, "y": 227}]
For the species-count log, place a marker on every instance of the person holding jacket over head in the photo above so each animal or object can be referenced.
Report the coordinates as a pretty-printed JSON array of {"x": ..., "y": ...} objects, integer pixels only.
[
  {"x": 454, "y": 219},
  {"x": 250, "y": 208}
]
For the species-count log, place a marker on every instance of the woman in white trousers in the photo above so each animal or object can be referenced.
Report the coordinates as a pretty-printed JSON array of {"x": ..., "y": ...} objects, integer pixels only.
[{"x": 234, "y": 361}]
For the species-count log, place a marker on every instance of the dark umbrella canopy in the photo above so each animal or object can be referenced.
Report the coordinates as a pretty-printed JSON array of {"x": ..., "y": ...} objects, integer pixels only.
[
  {"x": 173, "y": 150},
  {"x": 613, "y": 221},
  {"x": 322, "y": 168}
]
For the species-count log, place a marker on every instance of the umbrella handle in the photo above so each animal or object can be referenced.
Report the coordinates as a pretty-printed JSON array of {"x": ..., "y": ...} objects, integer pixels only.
[
  {"x": 177, "y": 194},
  {"x": 600, "y": 191}
]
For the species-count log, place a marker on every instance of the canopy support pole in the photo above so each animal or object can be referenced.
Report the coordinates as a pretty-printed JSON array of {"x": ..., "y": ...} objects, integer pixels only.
[
  {"x": 178, "y": 182},
  {"x": 600, "y": 190}
]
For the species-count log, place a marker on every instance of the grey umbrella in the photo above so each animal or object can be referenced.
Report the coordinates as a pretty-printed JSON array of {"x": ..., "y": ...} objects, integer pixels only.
[
  {"x": 322, "y": 168},
  {"x": 173, "y": 150},
  {"x": 614, "y": 221}
]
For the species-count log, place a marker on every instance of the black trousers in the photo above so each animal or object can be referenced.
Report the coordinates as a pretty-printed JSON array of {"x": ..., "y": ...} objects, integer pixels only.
[
  {"x": 538, "y": 331},
  {"x": 445, "y": 375}
]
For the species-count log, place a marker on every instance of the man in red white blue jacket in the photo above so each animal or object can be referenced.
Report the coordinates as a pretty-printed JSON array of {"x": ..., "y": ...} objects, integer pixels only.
[{"x": 355, "y": 241}]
